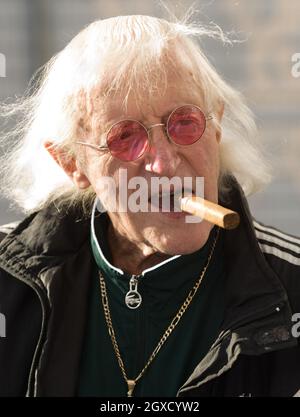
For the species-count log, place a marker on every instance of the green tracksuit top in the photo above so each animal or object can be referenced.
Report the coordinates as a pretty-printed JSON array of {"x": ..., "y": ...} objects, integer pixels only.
[{"x": 163, "y": 289}]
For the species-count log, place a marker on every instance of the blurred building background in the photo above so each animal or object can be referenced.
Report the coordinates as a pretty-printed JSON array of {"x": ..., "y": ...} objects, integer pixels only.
[{"x": 31, "y": 31}]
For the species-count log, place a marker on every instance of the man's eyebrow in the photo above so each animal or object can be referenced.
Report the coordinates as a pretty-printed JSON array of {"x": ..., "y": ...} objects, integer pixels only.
[
  {"x": 105, "y": 126},
  {"x": 111, "y": 121}
]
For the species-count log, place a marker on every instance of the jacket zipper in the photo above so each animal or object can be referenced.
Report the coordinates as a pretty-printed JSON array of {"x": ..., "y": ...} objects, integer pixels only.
[
  {"x": 140, "y": 324},
  {"x": 140, "y": 361},
  {"x": 133, "y": 298}
]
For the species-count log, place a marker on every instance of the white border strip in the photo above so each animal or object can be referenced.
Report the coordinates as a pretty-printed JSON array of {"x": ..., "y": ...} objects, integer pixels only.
[
  {"x": 160, "y": 264},
  {"x": 96, "y": 240}
]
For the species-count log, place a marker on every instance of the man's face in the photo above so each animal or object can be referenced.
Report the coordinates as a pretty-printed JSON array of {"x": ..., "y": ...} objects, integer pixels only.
[{"x": 167, "y": 233}]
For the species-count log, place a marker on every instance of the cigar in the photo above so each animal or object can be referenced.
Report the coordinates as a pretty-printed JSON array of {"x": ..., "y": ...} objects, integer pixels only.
[{"x": 213, "y": 213}]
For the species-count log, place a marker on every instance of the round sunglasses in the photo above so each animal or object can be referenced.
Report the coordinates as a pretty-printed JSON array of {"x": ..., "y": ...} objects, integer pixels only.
[{"x": 129, "y": 139}]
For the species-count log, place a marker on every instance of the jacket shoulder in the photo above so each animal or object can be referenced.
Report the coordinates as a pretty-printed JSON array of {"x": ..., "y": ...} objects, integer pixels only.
[
  {"x": 5, "y": 229},
  {"x": 282, "y": 252},
  {"x": 283, "y": 246}
]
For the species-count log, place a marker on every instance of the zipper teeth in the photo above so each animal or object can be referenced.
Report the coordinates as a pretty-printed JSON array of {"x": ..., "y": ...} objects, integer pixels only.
[
  {"x": 135, "y": 278},
  {"x": 140, "y": 337},
  {"x": 45, "y": 308},
  {"x": 134, "y": 281}
]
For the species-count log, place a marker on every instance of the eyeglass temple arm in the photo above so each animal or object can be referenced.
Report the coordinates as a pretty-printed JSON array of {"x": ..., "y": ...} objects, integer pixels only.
[{"x": 92, "y": 146}]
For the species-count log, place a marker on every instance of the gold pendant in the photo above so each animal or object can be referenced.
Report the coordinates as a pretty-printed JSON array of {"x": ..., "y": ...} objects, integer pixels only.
[{"x": 131, "y": 386}]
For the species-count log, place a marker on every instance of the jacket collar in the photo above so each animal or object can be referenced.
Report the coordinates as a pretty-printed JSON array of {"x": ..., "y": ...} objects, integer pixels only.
[
  {"x": 253, "y": 286},
  {"x": 44, "y": 240}
]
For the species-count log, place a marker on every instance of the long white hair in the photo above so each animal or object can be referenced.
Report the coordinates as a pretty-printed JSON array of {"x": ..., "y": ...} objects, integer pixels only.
[{"x": 121, "y": 54}]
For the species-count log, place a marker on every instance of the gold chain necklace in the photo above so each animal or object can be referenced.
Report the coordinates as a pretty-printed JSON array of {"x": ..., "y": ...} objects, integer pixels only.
[{"x": 131, "y": 383}]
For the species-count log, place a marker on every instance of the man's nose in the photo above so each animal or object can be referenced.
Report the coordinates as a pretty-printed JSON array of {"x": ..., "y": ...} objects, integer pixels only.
[{"x": 162, "y": 156}]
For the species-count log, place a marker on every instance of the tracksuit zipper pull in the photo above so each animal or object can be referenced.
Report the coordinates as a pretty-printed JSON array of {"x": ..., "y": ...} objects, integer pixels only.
[{"x": 133, "y": 298}]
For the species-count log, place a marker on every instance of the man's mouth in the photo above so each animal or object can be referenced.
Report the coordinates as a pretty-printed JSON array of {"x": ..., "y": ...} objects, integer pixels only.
[{"x": 168, "y": 201}]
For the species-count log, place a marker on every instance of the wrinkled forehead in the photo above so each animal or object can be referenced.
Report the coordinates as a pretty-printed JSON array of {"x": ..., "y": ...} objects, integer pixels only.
[
  {"x": 149, "y": 106},
  {"x": 142, "y": 90},
  {"x": 147, "y": 101}
]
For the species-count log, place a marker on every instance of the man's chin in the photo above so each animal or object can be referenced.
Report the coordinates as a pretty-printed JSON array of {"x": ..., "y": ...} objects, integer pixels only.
[{"x": 180, "y": 242}]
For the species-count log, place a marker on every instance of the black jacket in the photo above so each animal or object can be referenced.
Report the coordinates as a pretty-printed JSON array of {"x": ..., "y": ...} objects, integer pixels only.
[{"x": 45, "y": 260}]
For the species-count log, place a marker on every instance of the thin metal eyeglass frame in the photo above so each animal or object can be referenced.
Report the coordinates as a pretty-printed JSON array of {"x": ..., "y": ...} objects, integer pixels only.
[{"x": 147, "y": 129}]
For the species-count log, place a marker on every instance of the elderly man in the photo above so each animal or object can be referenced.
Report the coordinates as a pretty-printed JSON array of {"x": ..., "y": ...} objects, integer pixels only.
[{"x": 132, "y": 302}]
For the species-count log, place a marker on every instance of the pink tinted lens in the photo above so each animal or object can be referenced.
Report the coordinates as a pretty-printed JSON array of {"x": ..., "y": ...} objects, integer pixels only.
[
  {"x": 186, "y": 125},
  {"x": 127, "y": 140}
]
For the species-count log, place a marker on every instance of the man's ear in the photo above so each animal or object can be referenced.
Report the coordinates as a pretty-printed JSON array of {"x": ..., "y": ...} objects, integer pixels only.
[
  {"x": 219, "y": 115},
  {"x": 68, "y": 164}
]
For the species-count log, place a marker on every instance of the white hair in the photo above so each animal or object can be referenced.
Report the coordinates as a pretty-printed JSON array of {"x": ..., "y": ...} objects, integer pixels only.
[{"x": 128, "y": 54}]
